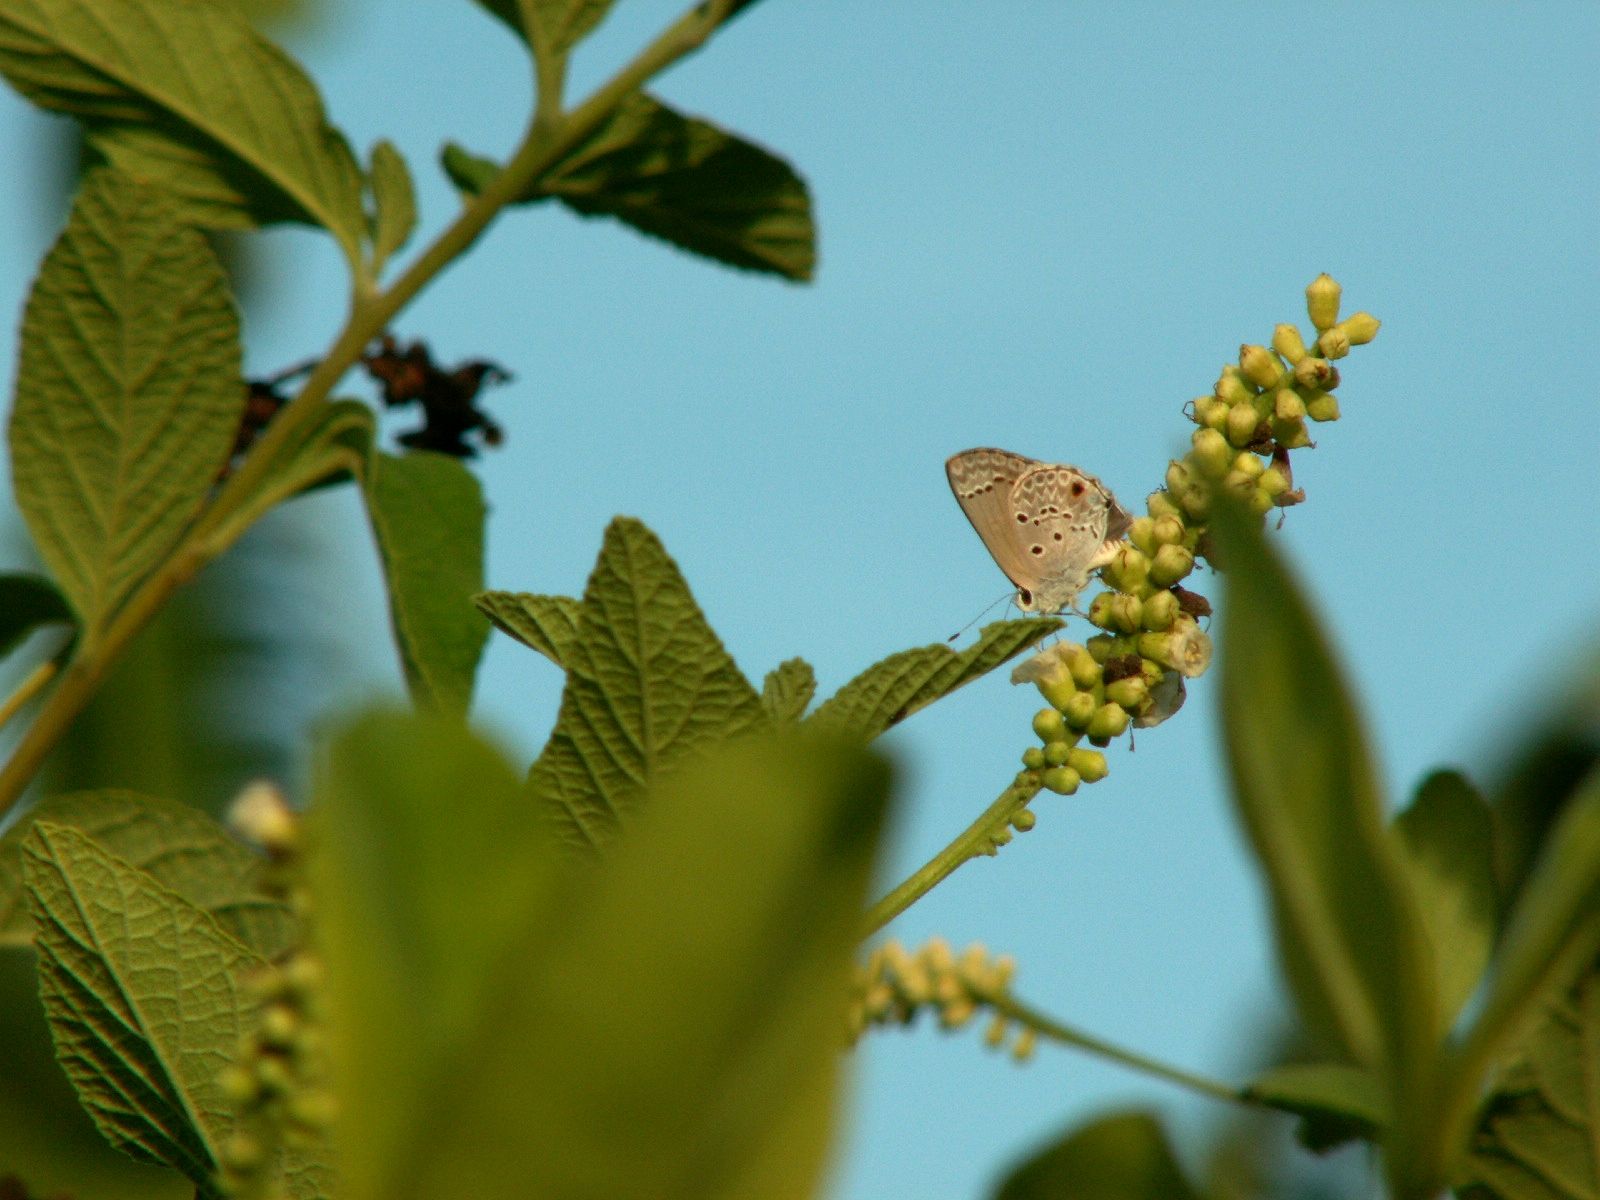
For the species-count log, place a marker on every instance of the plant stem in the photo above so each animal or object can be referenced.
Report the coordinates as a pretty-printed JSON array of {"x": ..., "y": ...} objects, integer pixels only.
[
  {"x": 977, "y": 839},
  {"x": 549, "y": 138},
  {"x": 28, "y": 689},
  {"x": 1134, "y": 1061}
]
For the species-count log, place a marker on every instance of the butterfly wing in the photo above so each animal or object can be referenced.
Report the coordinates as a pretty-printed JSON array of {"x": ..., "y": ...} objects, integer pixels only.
[
  {"x": 1063, "y": 517},
  {"x": 983, "y": 480}
]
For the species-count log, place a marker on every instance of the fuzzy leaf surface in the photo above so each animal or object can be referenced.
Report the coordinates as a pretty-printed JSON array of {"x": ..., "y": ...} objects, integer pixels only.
[
  {"x": 427, "y": 512},
  {"x": 649, "y": 685},
  {"x": 787, "y": 690},
  {"x": 548, "y": 624},
  {"x": 891, "y": 690},
  {"x": 27, "y": 602},
  {"x": 128, "y": 392},
  {"x": 191, "y": 98},
  {"x": 394, "y": 202},
  {"x": 179, "y": 847},
  {"x": 1120, "y": 1156}
]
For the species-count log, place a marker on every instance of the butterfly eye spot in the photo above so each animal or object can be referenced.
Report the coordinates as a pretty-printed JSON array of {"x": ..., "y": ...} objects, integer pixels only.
[
  {"x": 1036, "y": 549},
  {"x": 1077, "y": 487},
  {"x": 1058, "y": 537},
  {"x": 1022, "y": 518}
]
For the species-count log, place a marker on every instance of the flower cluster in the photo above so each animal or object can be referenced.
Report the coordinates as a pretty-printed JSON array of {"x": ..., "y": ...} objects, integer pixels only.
[
  {"x": 1133, "y": 673},
  {"x": 895, "y": 984},
  {"x": 277, "y": 1084}
]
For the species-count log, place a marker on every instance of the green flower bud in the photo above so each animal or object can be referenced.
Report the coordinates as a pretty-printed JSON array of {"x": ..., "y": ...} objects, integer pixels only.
[
  {"x": 1273, "y": 482},
  {"x": 279, "y": 1024},
  {"x": 1125, "y": 612},
  {"x": 1089, "y": 764},
  {"x": 1025, "y": 779},
  {"x": 1063, "y": 781},
  {"x": 1210, "y": 453},
  {"x": 314, "y": 1110},
  {"x": 1055, "y": 753},
  {"x": 1100, "y": 610},
  {"x": 1239, "y": 484},
  {"x": 1127, "y": 569},
  {"x": 239, "y": 1086},
  {"x": 1322, "y": 301},
  {"x": 1160, "y": 504},
  {"x": 1079, "y": 710},
  {"x": 1109, "y": 721},
  {"x": 1260, "y": 366},
  {"x": 1023, "y": 1048},
  {"x": 1196, "y": 501},
  {"x": 1287, "y": 405},
  {"x": 1033, "y": 757},
  {"x": 1316, "y": 374},
  {"x": 1248, "y": 464},
  {"x": 1286, "y": 341},
  {"x": 1101, "y": 647},
  {"x": 1168, "y": 530},
  {"x": 273, "y": 1075},
  {"x": 1049, "y": 725},
  {"x": 1184, "y": 648},
  {"x": 1142, "y": 534},
  {"x": 1210, "y": 412},
  {"x": 1244, "y": 424},
  {"x": 1334, "y": 343},
  {"x": 1179, "y": 476},
  {"x": 1083, "y": 665},
  {"x": 1258, "y": 501},
  {"x": 1170, "y": 564},
  {"x": 1056, "y": 691},
  {"x": 1160, "y": 611},
  {"x": 994, "y": 1037},
  {"x": 1361, "y": 328},
  {"x": 1022, "y": 820},
  {"x": 1291, "y": 435},
  {"x": 1232, "y": 388},
  {"x": 243, "y": 1154},
  {"x": 1324, "y": 406},
  {"x": 1128, "y": 693}
]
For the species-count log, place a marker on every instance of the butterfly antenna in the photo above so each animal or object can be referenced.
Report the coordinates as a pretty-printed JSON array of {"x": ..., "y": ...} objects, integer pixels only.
[{"x": 988, "y": 608}]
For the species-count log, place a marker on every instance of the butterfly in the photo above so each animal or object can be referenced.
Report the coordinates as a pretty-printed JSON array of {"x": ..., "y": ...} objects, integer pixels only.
[{"x": 1046, "y": 526}]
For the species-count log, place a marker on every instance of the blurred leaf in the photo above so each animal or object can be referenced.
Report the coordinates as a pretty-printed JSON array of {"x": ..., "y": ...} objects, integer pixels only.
[
  {"x": 1120, "y": 1156},
  {"x": 549, "y": 624},
  {"x": 1447, "y": 839},
  {"x": 143, "y": 994},
  {"x": 427, "y": 512},
  {"x": 1539, "y": 1138},
  {"x": 1336, "y": 1102},
  {"x": 787, "y": 690},
  {"x": 190, "y": 97},
  {"x": 891, "y": 690},
  {"x": 128, "y": 391},
  {"x": 667, "y": 1025},
  {"x": 680, "y": 179},
  {"x": 336, "y": 443},
  {"x": 1552, "y": 936},
  {"x": 562, "y": 23},
  {"x": 1349, "y": 936},
  {"x": 394, "y": 203},
  {"x": 648, "y": 686},
  {"x": 26, "y": 602},
  {"x": 427, "y": 861},
  {"x": 178, "y": 847}
]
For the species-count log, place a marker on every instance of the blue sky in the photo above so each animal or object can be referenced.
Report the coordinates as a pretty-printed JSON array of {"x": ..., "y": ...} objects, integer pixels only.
[{"x": 1043, "y": 227}]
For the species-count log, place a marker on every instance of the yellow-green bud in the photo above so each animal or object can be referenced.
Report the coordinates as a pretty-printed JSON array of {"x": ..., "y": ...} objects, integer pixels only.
[
  {"x": 1025, "y": 780},
  {"x": 1322, "y": 301},
  {"x": 1184, "y": 648},
  {"x": 1089, "y": 764},
  {"x": 1055, "y": 753},
  {"x": 1334, "y": 343},
  {"x": 239, "y": 1086},
  {"x": 1056, "y": 690},
  {"x": 1160, "y": 504},
  {"x": 1083, "y": 665},
  {"x": 1361, "y": 328},
  {"x": 1258, "y": 501},
  {"x": 312, "y": 1109},
  {"x": 1179, "y": 476},
  {"x": 1101, "y": 647},
  {"x": 1210, "y": 452},
  {"x": 995, "y": 1036},
  {"x": 1027, "y": 1042},
  {"x": 1170, "y": 564},
  {"x": 1244, "y": 424},
  {"x": 1260, "y": 366},
  {"x": 1239, "y": 484},
  {"x": 1125, "y": 611},
  {"x": 1160, "y": 611},
  {"x": 1273, "y": 482},
  {"x": 1127, "y": 569},
  {"x": 1100, "y": 610},
  {"x": 1232, "y": 387},
  {"x": 1286, "y": 341},
  {"x": 1324, "y": 406},
  {"x": 242, "y": 1153},
  {"x": 1033, "y": 757},
  {"x": 1316, "y": 374},
  {"x": 1063, "y": 781},
  {"x": 273, "y": 1075},
  {"x": 1109, "y": 721},
  {"x": 1210, "y": 412},
  {"x": 1287, "y": 405},
  {"x": 1129, "y": 692},
  {"x": 1168, "y": 530},
  {"x": 1142, "y": 534},
  {"x": 1078, "y": 711},
  {"x": 1247, "y": 464},
  {"x": 1196, "y": 501},
  {"x": 279, "y": 1024},
  {"x": 1291, "y": 435},
  {"x": 1048, "y": 724}
]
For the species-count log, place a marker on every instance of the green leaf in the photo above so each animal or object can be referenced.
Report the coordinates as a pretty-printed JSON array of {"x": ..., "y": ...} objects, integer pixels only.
[
  {"x": 1447, "y": 837},
  {"x": 1336, "y": 1102},
  {"x": 648, "y": 686},
  {"x": 26, "y": 602},
  {"x": 336, "y": 444},
  {"x": 427, "y": 513},
  {"x": 1349, "y": 935},
  {"x": 667, "y": 1025},
  {"x": 190, "y": 97},
  {"x": 549, "y": 624},
  {"x": 888, "y": 692},
  {"x": 680, "y": 179},
  {"x": 179, "y": 847},
  {"x": 144, "y": 998},
  {"x": 394, "y": 202},
  {"x": 1539, "y": 1138},
  {"x": 427, "y": 860},
  {"x": 561, "y": 24},
  {"x": 1120, "y": 1156},
  {"x": 787, "y": 690},
  {"x": 128, "y": 393}
]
